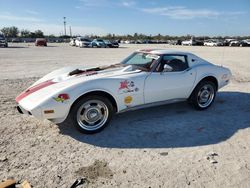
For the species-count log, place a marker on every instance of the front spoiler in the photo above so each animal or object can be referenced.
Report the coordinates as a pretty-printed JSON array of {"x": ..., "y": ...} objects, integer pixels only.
[
  {"x": 22, "y": 110},
  {"x": 54, "y": 120}
]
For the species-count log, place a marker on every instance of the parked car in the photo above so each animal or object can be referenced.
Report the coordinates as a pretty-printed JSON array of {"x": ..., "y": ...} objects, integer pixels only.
[
  {"x": 188, "y": 42},
  {"x": 213, "y": 43},
  {"x": 3, "y": 41},
  {"x": 115, "y": 44},
  {"x": 89, "y": 97},
  {"x": 82, "y": 42},
  {"x": 199, "y": 43},
  {"x": 227, "y": 42},
  {"x": 15, "y": 40},
  {"x": 174, "y": 42},
  {"x": 234, "y": 43},
  {"x": 99, "y": 43},
  {"x": 111, "y": 44},
  {"x": 72, "y": 42},
  {"x": 138, "y": 42},
  {"x": 41, "y": 42},
  {"x": 126, "y": 42},
  {"x": 245, "y": 43}
]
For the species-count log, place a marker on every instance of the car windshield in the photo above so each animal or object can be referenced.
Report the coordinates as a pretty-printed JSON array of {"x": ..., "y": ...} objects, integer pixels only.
[
  {"x": 83, "y": 39},
  {"x": 143, "y": 61},
  {"x": 1, "y": 37},
  {"x": 99, "y": 40}
]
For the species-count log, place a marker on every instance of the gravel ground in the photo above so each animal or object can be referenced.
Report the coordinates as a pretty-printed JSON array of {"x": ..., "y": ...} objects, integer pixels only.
[{"x": 166, "y": 146}]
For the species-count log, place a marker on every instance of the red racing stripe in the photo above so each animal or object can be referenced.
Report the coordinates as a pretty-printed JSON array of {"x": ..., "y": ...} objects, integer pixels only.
[{"x": 34, "y": 89}]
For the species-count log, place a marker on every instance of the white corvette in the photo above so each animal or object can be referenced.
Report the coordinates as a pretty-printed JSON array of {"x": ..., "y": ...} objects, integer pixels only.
[{"x": 89, "y": 97}]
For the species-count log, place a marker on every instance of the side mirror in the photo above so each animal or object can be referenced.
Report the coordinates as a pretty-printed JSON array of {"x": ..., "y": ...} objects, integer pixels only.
[{"x": 167, "y": 68}]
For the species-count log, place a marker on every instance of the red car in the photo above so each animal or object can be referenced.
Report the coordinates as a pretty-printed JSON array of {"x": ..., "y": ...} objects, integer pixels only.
[{"x": 41, "y": 42}]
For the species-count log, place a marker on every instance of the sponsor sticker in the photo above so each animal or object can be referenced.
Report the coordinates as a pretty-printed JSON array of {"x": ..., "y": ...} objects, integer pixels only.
[
  {"x": 128, "y": 99},
  {"x": 61, "y": 98},
  {"x": 127, "y": 87}
]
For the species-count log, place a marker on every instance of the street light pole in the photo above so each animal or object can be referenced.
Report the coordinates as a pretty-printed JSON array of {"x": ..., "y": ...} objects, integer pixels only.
[
  {"x": 64, "y": 22},
  {"x": 70, "y": 31}
]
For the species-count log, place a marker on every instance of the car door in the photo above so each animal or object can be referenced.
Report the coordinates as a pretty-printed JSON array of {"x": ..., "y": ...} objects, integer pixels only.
[{"x": 176, "y": 84}]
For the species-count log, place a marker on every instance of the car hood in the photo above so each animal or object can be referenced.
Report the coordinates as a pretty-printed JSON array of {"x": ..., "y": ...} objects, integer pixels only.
[
  {"x": 68, "y": 78},
  {"x": 78, "y": 73}
]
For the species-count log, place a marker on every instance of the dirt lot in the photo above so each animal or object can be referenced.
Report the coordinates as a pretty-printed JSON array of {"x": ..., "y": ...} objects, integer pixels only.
[{"x": 167, "y": 146}]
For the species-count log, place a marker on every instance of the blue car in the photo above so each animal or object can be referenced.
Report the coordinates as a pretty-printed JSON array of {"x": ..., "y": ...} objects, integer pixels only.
[{"x": 99, "y": 43}]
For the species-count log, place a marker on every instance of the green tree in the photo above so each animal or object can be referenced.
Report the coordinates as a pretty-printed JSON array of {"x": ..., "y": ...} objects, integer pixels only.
[
  {"x": 39, "y": 34},
  {"x": 135, "y": 36},
  {"x": 25, "y": 33},
  {"x": 10, "y": 31}
]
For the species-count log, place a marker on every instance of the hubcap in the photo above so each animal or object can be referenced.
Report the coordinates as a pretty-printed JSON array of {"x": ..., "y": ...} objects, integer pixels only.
[
  {"x": 205, "y": 96},
  {"x": 92, "y": 115}
]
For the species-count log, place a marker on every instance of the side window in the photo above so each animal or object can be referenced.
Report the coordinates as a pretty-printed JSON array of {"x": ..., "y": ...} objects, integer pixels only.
[{"x": 177, "y": 62}]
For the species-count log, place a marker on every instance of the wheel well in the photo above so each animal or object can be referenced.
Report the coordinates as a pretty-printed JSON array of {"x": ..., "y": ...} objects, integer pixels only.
[
  {"x": 208, "y": 78},
  {"x": 100, "y": 93},
  {"x": 211, "y": 79}
]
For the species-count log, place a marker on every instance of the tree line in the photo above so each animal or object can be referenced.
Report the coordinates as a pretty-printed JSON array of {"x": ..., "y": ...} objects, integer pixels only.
[{"x": 14, "y": 32}]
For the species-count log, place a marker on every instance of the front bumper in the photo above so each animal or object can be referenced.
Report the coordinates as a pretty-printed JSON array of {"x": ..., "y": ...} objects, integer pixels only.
[
  {"x": 22, "y": 110},
  {"x": 37, "y": 112}
]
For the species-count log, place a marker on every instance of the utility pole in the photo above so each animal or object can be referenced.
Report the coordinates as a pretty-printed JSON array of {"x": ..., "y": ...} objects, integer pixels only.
[
  {"x": 64, "y": 22},
  {"x": 70, "y": 31}
]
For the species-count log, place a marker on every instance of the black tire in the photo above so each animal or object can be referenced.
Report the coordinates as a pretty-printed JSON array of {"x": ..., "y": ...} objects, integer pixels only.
[
  {"x": 196, "y": 96},
  {"x": 78, "y": 111}
]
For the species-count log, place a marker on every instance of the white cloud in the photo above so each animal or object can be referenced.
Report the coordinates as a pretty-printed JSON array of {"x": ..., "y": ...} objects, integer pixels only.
[
  {"x": 183, "y": 13},
  {"x": 32, "y": 23},
  {"x": 31, "y": 12},
  {"x": 128, "y": 3},
  {"x": 11, "y": 17},
  {"x": 94, "y": 3}
]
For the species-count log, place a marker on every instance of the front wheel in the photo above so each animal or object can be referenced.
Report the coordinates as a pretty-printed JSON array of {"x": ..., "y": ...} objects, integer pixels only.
[
  {"x": 203, "y": 95},
  {"x": 91, "y": 114}
]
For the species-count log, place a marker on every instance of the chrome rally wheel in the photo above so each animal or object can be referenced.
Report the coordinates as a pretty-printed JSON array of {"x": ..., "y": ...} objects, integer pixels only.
[
  {"x": 91, "y": 113},
  {"x": 205, "y": 96}
]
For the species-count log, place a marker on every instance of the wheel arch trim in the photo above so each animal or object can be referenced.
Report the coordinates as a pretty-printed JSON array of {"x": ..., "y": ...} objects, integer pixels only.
[
  {"x": 206, "y": 77},
  {"x": 100, "y": 92}
]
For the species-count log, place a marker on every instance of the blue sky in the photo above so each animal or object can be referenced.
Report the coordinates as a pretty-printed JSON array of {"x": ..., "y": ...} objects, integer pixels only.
[{"x": 168, "y": 17}]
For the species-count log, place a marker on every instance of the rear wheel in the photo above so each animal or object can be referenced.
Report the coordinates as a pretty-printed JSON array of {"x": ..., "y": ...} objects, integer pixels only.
[
  {"x": 203, "y": 95},
  {"x": 91, "y": 114}
]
